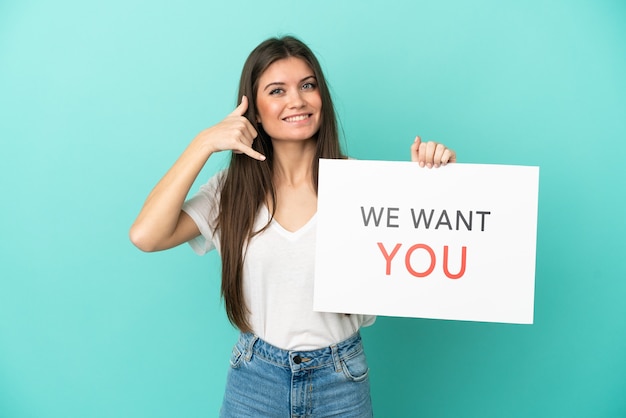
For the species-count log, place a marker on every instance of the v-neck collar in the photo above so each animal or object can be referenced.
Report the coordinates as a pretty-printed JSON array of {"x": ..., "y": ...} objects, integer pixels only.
[{"x": 292, "y": 235}]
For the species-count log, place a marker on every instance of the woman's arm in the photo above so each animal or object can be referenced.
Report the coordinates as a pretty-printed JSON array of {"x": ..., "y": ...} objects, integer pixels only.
[{"x": 161, "y": 224}]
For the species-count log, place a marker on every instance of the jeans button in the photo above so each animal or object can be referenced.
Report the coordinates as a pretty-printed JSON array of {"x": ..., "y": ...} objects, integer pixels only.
[{"x": 297, "y": 359}]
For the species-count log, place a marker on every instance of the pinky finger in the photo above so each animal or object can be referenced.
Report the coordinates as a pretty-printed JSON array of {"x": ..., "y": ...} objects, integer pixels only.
[
  {"x": 448, "y": 156},
  {"x": 250, "y": 152}
]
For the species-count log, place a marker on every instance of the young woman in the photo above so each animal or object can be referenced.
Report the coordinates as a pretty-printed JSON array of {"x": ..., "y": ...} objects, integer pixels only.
[{"x": 260, "y": 215}]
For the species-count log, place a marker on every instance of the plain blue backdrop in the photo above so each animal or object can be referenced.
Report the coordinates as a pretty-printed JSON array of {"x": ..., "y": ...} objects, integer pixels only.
[{"x": 97, "y": 99}]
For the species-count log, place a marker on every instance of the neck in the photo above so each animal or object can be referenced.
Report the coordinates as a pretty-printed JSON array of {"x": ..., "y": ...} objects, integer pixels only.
[{"x": 292, "y": 162}]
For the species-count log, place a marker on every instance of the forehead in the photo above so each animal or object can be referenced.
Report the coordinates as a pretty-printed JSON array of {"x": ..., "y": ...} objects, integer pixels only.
[{"x": 285, "y": 70}]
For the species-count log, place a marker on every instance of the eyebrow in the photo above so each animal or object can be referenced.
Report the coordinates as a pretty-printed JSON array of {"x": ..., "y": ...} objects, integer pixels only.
[{"x": 281, "y": 83}]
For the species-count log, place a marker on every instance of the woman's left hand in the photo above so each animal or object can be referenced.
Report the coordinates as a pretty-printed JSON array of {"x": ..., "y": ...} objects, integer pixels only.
[{"x": 431, "y": 154}]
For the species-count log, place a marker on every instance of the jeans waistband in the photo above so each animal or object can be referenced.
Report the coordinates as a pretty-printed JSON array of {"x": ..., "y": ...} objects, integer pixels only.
[{"x": 250, "y": 344}]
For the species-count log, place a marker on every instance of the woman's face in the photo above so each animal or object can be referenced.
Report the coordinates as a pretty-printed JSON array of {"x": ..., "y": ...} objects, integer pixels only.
[{"x": 288, "y": 101}]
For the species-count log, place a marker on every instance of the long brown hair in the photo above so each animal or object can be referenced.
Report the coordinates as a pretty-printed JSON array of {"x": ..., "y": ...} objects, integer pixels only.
[{"x": 248, "y": 182}]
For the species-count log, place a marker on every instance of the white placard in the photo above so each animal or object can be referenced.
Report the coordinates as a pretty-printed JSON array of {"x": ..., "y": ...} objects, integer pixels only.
[{"x": 457, "y": 242}]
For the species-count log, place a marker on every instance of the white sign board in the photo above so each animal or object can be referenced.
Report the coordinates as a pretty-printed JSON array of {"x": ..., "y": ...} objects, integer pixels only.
[{"x": 457, "y": 242}]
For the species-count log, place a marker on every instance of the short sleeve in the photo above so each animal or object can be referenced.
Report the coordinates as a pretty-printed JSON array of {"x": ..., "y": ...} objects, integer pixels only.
[
  {"x": 368, "y": 320},
  {"x": 203, "y": 208}
]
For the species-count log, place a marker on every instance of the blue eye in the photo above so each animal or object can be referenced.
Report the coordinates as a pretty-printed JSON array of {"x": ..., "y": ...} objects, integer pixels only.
[
  {"x": 275, "y": 91},
  {"x": 309, "y": 86}
]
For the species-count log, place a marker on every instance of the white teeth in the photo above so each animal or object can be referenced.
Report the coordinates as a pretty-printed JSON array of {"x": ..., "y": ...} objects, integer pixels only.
[{"x": 297, "y": 118}]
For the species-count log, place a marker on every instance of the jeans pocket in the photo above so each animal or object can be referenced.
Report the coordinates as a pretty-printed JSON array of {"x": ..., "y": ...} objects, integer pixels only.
[
  {"x": 235, "y": 357},
  {"x": 355, "y": 367}
]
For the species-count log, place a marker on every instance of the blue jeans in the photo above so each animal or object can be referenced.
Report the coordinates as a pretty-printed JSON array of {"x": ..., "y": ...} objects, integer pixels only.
[{"x": 266, "y": 381}]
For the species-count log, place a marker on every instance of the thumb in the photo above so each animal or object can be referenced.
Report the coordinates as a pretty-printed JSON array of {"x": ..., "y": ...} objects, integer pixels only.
[
  {"x": 415, "y": 149},
  {"x": 242, "y": 108}
]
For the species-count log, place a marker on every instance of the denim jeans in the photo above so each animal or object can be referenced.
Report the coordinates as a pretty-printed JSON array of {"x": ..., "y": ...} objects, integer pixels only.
[{"x": 266, "y": 381}]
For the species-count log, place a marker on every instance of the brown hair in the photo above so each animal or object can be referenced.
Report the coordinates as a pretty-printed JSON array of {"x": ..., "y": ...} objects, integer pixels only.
[{"x": 248, "y": 182}]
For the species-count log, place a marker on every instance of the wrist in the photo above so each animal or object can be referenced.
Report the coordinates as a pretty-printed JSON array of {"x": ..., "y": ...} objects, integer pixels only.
[{"x": 203, "y": 145}]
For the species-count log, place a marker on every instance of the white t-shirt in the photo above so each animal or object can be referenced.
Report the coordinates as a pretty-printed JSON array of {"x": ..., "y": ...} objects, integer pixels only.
[{"x": 278, "y": 277}]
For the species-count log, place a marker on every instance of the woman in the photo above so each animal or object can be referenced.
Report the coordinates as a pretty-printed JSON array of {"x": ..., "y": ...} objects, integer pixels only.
[{"x": 260, "y": 215}]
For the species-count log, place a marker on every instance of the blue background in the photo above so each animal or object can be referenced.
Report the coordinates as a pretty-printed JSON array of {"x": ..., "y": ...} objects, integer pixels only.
[{"x": 97, "y": 99}]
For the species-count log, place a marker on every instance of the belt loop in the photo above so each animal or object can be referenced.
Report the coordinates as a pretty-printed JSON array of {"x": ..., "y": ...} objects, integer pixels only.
[
  {"x": 250, "y": 346},
  {"x": 336, "y": 360}
]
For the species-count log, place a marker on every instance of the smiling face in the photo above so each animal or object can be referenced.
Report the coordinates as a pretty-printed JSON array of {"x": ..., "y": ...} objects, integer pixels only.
[{"x": 288, "y": 101}]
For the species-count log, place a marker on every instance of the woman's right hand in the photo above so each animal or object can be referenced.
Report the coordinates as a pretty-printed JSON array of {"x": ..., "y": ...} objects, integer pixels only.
[
  {"x": 161, "y": 223},
  {"x": 235, "y": 133}
]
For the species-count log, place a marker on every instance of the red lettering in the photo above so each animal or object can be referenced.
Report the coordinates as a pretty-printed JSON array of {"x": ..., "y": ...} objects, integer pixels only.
[
  {"x": 388, "y": 257},
  {"x": 407, "y": 260},
  {"x": 445, "y": 263}
]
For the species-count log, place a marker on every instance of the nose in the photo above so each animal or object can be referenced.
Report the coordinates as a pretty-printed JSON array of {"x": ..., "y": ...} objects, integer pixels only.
[{"x": 296, "y": 99}]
